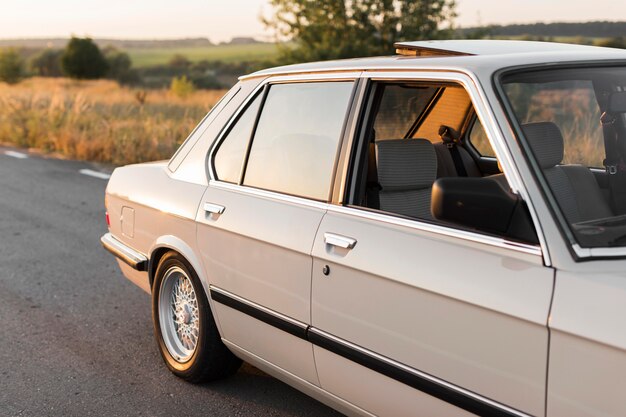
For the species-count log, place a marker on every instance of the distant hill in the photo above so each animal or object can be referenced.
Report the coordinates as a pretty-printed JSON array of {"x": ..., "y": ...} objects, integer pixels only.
[
  {"x": 600, "y": 29},
  {"x": 241, "y": 41},
  {"x": 39, "y": 43}
]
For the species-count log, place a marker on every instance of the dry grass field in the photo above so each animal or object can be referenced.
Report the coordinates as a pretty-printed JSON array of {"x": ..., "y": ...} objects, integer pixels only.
[
  {"x": 101, "y": 121},
  {"x": 98, "y": 120}
]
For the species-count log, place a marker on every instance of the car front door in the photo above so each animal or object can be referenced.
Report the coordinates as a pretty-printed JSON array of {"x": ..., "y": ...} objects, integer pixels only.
[
  {"x": 412, "y": 317},
  {"x": 272, "y": 172}
]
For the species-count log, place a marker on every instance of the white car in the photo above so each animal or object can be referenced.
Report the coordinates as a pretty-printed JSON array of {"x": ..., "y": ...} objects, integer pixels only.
[{"x": 440, "y": 232}]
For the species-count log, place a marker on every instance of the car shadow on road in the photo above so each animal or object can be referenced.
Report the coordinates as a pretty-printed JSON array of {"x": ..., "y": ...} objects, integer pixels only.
[{"x": 267, "y": 393}]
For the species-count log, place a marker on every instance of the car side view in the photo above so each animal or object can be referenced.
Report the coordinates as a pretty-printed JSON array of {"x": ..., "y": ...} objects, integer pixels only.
[{"x": 438, "y": 232}]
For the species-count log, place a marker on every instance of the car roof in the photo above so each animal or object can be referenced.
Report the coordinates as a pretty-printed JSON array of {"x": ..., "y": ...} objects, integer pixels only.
[{"x": 465, "y": 55}]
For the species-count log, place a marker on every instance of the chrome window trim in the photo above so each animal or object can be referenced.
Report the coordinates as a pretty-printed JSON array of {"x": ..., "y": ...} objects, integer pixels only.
[
  {"x": 587, "y": 253},
  {"x": 382, "y": 217},
  {"x": 266, "y": 310},
  {"x": 484, "y": 113},
  {"x": 416, "y": 372},
  {"x": 308, "y": 78},
  {"x": 220, "y": 137},
  {"x": 273, "y": 195},
  {"x": 226, "y": 99},
  {"x": 438, "y": 229},
  {"x": 345, "y": 76},
  {"x": 487, "y": 118}
]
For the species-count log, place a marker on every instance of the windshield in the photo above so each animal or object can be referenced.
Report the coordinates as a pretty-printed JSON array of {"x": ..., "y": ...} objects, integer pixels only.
[{"x": 573, "y": 126}]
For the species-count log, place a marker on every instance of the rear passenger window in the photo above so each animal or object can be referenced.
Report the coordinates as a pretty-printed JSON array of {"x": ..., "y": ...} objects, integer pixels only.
[
  {"x": 400, "y": 106},
  {"x": 296, "y": 139},
  {"x": 229, "y": 157}
]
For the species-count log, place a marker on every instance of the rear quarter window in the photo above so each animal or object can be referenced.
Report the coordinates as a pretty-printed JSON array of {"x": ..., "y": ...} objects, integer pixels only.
[
  {"x": 478, "y": 139},
  {"x": 231, "y": 152}
]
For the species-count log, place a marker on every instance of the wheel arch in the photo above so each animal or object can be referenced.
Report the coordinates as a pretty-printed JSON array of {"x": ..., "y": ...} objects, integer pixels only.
[{"x": 170, "y": 243}]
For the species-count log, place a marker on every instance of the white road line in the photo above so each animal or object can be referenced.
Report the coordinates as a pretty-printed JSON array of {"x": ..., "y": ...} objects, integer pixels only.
[
  {"x": 95, "y": 174},
  {"x": 17, "y": 155}
]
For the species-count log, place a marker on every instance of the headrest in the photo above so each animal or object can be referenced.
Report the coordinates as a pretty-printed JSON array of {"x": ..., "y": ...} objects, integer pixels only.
[
  {"x": 546, "y": 142},
  {"x": 406, "y": 164}
]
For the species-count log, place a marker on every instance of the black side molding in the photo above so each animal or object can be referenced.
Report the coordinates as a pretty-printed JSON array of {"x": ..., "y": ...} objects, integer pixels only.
[
  {"x": 418, "y": 380},
  {"x": 261, "y": 315}
]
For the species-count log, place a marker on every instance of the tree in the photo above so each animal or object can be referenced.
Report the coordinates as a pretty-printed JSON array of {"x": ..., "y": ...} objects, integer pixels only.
[
  {"x": 48, "y": 63},
  {"x": 83, "y": 59},
  {"x": 120, "y": 66},
  {"x": 179, "y": 62},
  {"x": 11, "y": 66},
  {"x": 331, "y": 29}
]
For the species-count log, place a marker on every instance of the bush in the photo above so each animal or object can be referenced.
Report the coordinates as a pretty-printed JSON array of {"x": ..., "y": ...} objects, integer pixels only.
[
  {"x": 120, "y": 67},
  {"x": 182, "y": 86},
  {"x": 82, "y": 59},
  {"x": 48, "y": 63},
  {"x": 618, "y": 42},
  {"x": 11, "y": 66}
]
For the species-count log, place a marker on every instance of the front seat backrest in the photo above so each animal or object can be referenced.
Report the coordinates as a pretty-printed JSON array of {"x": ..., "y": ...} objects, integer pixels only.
[
  {"x": 407, "y": 169},
  {"x": 575, "y": 188}
]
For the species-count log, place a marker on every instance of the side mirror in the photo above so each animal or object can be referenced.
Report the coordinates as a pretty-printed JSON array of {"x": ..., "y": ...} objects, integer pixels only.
[{"x": 482, "y": 204}]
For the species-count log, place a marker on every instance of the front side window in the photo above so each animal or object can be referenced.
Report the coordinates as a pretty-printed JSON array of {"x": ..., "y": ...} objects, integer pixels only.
[
  {"x": 573, "y": 122},
  {"x": 297, "y": 137},
  {"x": 572, "y": 106}
]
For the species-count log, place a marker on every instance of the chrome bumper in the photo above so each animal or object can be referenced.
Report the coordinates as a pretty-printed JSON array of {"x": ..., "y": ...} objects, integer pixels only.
[{"x": 126, "y": 254}]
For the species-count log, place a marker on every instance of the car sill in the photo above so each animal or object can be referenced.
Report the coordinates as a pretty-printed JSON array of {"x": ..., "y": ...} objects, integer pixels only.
[
  {"x": 125, "y": 253},
  {"x": 414, "y": 378}
]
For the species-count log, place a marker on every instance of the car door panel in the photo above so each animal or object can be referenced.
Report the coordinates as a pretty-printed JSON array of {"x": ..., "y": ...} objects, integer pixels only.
[
  {"x": 259, "y": 249},
  {"x": 469, "y": 313},
  {"x": 377, "y": 393},
  {"x": 586, "y": 344}
]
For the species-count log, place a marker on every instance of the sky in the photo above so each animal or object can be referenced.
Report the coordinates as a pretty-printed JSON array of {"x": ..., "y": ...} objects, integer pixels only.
[{"x": 220, "y": 20}]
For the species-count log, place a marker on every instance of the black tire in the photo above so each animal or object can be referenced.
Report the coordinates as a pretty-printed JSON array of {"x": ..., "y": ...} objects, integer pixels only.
[{"x": 210, "y": 359}]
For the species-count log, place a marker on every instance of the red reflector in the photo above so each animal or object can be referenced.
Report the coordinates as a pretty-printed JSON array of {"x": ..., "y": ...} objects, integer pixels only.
[{"x": 108, "y": 219}]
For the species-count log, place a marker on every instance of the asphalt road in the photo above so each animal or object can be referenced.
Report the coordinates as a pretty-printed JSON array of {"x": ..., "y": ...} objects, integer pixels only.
[{"x": 76, "y": 337}]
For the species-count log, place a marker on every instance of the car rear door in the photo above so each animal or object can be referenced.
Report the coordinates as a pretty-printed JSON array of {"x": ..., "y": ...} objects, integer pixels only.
[
  {"x": 411, "y": 317},
  {"x": 272, "y": 172}
]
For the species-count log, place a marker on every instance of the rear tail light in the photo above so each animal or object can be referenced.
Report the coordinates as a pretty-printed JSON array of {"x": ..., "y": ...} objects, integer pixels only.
[{"x": 108, "y": 219}]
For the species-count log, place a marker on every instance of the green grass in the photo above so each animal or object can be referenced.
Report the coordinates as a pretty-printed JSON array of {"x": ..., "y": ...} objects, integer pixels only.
[{"x": 145, "y": 57}]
